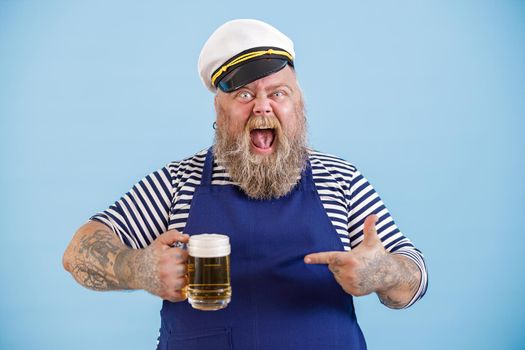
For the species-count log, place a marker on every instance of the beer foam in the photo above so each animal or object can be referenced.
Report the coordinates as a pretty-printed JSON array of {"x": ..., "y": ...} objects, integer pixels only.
[{"x": 209, "y": 245}]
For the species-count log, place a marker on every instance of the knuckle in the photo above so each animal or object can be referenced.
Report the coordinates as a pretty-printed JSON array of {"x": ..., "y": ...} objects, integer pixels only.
[
  {"x": 352, "y": 261},
  {"x": 176, "y": 296},
  {"x": 181, "y": 270},
  {"x": 185, "y": 254},
  {"x": 350, "y": 276},
  {"x": 180, "y": 296},
  {"x": 351, "y": 291},
  {"x": 179, "y": 283},
  {"x": 163, "y": 274},
  {"x": 334, "y": 260},
  {"x": 358, "y": 293},
  {"x": 350, "y": 288},
  {"x": 180, "y": 255}
]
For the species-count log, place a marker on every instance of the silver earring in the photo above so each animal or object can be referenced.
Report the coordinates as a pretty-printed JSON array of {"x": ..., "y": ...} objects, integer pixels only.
[{"x": 214, "y": 126}]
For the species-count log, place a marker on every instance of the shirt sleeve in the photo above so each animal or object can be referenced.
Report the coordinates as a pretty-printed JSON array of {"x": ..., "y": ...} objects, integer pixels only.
[
  {"x": 142, "y": 214},
  {"x": 363, "y": 201}
]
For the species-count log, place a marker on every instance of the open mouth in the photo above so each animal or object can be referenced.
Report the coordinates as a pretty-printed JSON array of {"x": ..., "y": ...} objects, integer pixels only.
[{"x": 262, "y": 138}]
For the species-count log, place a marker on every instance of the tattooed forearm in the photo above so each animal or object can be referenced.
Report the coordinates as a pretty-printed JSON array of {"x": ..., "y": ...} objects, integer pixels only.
[
  {"x": 100, "y": 263},
  {"x": 98, "y": 260},
  {"x": 407, "y": 276},
  {"x": 98, "y": 247},
  {"x": 91, "y": 276}
]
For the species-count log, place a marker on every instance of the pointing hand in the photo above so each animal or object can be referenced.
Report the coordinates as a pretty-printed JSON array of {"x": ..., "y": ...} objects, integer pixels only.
[{"x": 364, "y": 269}]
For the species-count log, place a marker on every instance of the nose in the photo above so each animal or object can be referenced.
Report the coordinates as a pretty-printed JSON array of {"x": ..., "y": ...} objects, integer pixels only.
[{"x": 262, "y": 106}]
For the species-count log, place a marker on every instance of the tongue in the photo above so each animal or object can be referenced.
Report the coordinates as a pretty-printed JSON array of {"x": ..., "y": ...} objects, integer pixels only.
[{"x": 262, "y": 138}]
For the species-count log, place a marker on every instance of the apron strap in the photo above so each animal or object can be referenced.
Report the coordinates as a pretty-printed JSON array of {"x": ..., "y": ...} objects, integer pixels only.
[
  {"x": 207, "y": 171},
  {"x": 307, "y": 180}
]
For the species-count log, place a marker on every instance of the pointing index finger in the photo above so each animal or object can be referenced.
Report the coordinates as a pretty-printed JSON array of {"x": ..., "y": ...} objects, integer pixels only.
[{"x": 334, "y": 258}]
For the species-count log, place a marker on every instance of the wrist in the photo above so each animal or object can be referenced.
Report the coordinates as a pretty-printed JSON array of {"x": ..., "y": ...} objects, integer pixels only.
[
  {"x": 125, "y": 268},
  {"x": 391, "y": 278}
]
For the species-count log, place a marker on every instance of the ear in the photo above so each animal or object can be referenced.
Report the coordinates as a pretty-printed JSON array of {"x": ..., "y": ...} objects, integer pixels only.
[
  {"x": 218, "y": 108},
  {"x": 217, "y": 101}
]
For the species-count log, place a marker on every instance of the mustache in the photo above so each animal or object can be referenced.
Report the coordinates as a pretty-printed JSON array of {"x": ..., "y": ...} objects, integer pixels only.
[{"x": 263, "y": 122}]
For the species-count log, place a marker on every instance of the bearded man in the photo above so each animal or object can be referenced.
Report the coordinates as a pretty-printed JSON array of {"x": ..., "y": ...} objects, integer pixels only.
[{"x": 307, "y": 230}]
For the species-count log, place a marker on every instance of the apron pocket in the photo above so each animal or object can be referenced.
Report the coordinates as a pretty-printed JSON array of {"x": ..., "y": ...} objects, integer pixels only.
[{"x": 217, "y": 339}]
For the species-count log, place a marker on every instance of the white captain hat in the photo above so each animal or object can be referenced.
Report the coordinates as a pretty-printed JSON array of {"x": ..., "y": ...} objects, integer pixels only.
[{"x": 242, "y": 51}]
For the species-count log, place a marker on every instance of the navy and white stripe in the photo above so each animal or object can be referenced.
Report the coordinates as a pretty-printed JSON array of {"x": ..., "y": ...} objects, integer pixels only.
[{"x": 162, "y": 201}]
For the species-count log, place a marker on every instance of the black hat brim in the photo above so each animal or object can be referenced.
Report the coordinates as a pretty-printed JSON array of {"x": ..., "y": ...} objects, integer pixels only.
[{"x": 249, "y": 72}]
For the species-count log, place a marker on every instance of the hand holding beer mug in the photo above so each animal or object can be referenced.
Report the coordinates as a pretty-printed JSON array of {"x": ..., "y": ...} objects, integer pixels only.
[{"x": 209, "y": 271}]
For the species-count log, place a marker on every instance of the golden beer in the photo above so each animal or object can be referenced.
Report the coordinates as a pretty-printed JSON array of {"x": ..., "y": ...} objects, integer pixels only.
[{"x": 209, "y": 271}]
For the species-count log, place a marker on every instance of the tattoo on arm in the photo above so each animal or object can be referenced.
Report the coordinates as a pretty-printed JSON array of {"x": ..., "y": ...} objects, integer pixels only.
[
  {"x": 407, "y": 275},
  {"x": 394, "y": 278},
  {"x": 100, "y": 264}
]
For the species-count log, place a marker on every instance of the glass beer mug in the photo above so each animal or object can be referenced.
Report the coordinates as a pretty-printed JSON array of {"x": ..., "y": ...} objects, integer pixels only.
[{"x": 209, "y": 271}]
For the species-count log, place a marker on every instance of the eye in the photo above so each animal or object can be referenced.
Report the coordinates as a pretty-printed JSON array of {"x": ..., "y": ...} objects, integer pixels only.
[
  {"x": 245, "y": 95},
  {"x": 279, "y": 93}
]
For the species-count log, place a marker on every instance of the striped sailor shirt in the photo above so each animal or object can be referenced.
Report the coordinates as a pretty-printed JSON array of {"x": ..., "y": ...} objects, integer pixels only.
[{"x": 161, "y": 201}]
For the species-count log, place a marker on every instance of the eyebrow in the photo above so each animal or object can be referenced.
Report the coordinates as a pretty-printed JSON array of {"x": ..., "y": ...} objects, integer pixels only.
[
  {"x": 270, "y": 87},
  {"x": 276, "y": 86}
]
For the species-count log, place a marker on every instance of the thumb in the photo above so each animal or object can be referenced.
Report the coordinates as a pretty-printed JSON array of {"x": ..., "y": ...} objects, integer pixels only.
[
  {"x": 369, "y": 230},
  {"x": 171, "y": 237}
]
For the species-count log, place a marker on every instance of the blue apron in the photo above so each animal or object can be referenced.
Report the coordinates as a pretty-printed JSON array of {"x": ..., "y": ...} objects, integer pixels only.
[{"x": 278, "y": 302}]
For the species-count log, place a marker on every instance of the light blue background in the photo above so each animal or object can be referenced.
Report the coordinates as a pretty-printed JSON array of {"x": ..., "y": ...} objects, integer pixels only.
[{"x": 427, "y": 98}]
